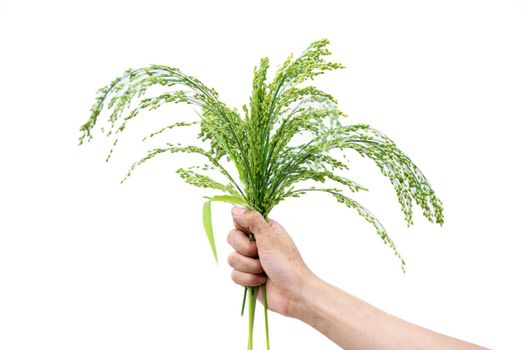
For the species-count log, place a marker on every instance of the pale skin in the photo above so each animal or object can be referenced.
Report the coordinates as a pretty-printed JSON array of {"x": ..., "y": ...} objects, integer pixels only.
[{"x": 293, "y": 290}]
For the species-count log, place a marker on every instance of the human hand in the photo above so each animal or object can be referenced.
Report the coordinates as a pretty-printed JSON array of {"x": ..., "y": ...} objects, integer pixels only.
[
  {"x": 293, "y": 290},
  {"x": 272, "y": 258}
]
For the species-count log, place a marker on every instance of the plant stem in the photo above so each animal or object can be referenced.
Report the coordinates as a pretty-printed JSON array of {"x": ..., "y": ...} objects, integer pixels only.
[
  {"x": 244, "y": 300},
  {"x": 252, "y": 302},
  {"x": 266, "y": 317}
]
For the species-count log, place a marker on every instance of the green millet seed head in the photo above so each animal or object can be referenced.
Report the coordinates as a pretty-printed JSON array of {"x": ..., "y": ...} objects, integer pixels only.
[{"x": 289, "y": 135}]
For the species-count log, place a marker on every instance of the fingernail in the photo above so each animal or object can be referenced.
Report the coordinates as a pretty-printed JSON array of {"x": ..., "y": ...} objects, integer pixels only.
[{"x": 238, "y": 211}]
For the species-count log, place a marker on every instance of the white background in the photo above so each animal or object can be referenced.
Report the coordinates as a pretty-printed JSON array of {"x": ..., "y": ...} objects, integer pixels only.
[{"x": 88, "y": 263}]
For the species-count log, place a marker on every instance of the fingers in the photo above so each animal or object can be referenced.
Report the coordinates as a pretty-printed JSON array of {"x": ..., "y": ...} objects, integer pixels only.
[
  {"x": 247, "y": 279},
  {"x": 246, "y": 270},
  {"x": 244, "y": 264},
  {"x": 249, "y": 221},
  {"x": 241, "y": 243}
]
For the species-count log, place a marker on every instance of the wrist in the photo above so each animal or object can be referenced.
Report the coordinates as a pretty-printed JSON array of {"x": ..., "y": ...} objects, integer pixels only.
[{"x": 307, "y": 290}]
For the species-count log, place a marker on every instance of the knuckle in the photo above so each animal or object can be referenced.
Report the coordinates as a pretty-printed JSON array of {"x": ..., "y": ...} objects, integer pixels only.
[
  {"x": 250, "y": 248},
  {"x": 252, "y": 217},
  {"x": 256, "y": 224},
  {"x": 235, "y": 277},
  {"x": 231, "y": 259},
  {"x": 257, "y": 266},
  {"x": 230, "y": 236},
  {"x": 253, "y": 247},
  {"x": 251, "y": 266},
  {"x": 252, "y": 279}
]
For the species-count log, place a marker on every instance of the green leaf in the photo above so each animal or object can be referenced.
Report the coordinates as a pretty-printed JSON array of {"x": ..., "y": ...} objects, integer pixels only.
[
  {"x": 206, "y": 220},
  {"x": 206, "y": 216},
  {"x": 228, "y": 199}
]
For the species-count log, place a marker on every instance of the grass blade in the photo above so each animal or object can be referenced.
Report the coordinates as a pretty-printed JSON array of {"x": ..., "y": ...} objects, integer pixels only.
[
  {"x": 228, "y": 199},
  {"x": 206, "y": 220},
  {"x": 244, "y": 301}
]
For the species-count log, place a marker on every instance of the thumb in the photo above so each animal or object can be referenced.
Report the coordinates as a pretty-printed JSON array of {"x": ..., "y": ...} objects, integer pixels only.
[{"x": 250, "y": 221}]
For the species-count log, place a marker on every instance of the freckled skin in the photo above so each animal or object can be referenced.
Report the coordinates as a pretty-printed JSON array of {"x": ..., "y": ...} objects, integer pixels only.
[{"x": 293, "y": 290}]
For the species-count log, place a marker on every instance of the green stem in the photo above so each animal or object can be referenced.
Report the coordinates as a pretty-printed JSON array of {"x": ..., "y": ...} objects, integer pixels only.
[
  {"x": 252, "y": 302},
  {"x": 266, "y": 317},
  {"x": 244, "y": 300}
]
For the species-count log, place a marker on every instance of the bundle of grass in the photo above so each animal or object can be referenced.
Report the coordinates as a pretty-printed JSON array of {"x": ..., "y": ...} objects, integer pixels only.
[{"x": 289, "y": 137}]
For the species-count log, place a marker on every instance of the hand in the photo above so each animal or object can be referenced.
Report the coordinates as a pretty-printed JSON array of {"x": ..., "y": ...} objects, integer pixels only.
[
  {"x": 293, "y": 290},
  {"x": 272, "y": 258}
]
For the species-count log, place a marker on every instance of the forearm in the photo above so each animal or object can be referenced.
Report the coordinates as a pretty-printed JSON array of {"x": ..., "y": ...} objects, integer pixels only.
[{"x": 354, "y": 324}]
